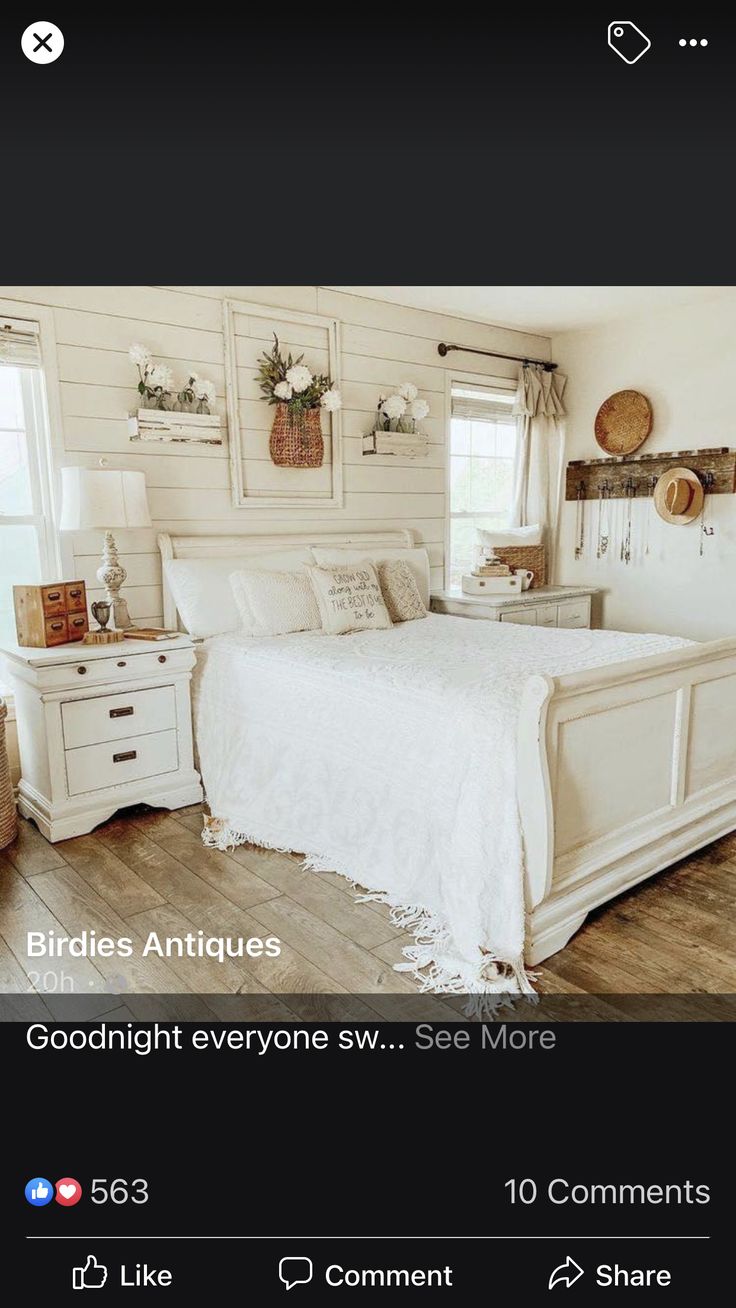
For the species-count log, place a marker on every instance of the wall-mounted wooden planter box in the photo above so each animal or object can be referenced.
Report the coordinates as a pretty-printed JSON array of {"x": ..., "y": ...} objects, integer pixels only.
[
  {"x": 637, "y": 474},
  {"x": 162, "y": 425},
  {"x": 406, "y": 444}
]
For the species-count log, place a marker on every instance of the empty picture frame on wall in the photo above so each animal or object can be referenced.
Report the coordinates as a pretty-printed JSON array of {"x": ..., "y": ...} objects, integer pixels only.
[{"x": 256, "y": 482}]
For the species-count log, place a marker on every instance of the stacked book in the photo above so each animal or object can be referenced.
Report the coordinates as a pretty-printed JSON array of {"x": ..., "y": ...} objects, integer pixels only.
[{"x": 492, "y": 568}]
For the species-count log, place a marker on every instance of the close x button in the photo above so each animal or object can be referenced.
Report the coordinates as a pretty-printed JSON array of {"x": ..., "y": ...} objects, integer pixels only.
[{"x": 42, "y": 42}]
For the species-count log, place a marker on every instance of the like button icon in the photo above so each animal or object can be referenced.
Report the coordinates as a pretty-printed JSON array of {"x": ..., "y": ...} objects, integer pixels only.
[{"x": 39, "y": 1192}]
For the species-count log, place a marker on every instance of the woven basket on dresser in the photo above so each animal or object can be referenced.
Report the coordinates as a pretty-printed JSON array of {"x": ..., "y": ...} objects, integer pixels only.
[
  {"x": 8, "y": 815},
  {"x": 533, "y": 557}
]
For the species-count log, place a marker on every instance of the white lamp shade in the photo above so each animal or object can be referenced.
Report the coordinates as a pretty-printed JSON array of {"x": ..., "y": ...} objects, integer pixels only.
[{"x": 104, "y": 499}]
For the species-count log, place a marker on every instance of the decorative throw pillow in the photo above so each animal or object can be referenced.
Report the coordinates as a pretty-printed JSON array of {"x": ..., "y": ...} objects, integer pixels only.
[
  {"x": 400, "y": 591},
  {"x": 416, "y": 556},
  {"x": 274, "y": 603},
  {"x": 349, "y": 598},
  {"x": 510, "y": 536}
]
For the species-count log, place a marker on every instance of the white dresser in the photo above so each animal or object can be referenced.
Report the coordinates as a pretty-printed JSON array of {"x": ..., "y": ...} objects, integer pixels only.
[
  {"x": 546, "y": 606},
  {"x": 101, "y": 727}
]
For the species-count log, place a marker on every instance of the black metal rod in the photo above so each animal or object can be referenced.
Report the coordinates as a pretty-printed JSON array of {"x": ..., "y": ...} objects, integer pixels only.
[{"x": 443, "y": 348}]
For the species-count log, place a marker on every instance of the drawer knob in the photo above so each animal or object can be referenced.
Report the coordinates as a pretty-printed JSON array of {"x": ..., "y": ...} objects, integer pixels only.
[
  {"x": 53, "y": 595},
  {"x": 162, "y": 658},
  {"x": 81, "y": 669},
  {"x": 122, "y": 663},
  {"x": 124, "y": 758},
  {"x": 126, "y": 712}
]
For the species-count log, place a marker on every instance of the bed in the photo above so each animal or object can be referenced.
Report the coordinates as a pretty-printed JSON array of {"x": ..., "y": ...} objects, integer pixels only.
[{"x": 526, "y": 776}]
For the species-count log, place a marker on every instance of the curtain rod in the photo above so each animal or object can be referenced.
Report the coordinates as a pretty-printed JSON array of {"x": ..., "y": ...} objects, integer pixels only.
[{"x": 444, "y": 349}]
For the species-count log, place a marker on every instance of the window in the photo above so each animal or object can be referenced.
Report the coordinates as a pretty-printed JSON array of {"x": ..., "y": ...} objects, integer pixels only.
[
  {"x": 482, "y": 453},
  {"x": 27, "y": 538}
]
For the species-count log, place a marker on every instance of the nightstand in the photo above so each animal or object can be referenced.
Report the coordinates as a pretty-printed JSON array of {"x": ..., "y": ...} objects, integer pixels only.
[
  {"x": 545, "y": 606},
  {"x": 101, "y": 727}
]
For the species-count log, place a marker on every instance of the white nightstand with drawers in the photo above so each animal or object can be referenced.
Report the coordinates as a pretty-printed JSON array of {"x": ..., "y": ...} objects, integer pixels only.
[
  {"x": 546, "y": 606},
  {"x": 101, "y": 727}
]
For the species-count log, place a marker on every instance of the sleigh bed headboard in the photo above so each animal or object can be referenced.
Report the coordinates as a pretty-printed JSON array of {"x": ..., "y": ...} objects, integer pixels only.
[{"x": 222, "y": 547}]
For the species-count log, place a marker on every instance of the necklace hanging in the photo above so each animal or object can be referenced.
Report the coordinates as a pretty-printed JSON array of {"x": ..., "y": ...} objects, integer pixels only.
[
  {"x": 603, "y": 493},
  {"x": 630, "y": 490},
  {"x": 706, "y": 525},
  {"x": 651, "y": 483},
  {"x": 580, "y": 522}
]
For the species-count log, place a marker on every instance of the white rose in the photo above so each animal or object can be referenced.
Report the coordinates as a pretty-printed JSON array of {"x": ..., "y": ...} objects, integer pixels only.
[
  {"x": 140, "y": 355},
  {"x": 419, "y": 409},
  {"x": 299, "y": 378},
  {"x": 408, "y": 392},
  {"x": 331, "y": 400},
  {"x": 160, "y": 376},
  {"x": 394, "y": 407},
  {"x": 283, "y": 391}
]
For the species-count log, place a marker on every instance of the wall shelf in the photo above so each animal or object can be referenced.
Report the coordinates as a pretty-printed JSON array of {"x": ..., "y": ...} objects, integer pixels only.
[
  {"x": 637, "y": 474},
  {"x": 169, "y": 425}
]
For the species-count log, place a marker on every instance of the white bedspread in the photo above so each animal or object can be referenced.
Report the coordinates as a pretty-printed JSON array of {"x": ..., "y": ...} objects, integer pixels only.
[{"x": 390, "y": 757}]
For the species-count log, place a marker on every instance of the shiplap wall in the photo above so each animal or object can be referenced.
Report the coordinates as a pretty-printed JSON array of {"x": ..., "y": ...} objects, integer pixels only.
[{"x": 188, "y": 487}]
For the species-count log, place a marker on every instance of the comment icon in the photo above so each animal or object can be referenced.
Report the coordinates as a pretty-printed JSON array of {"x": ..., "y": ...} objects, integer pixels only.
[{"x": 295, "y": 1271}]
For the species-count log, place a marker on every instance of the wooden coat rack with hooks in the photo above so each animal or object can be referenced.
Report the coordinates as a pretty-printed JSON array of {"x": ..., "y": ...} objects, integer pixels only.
[{"x": 637, "y": 475}]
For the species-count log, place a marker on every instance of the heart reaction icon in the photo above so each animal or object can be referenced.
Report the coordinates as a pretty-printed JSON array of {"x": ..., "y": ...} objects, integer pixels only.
[{"x": 68, "y": 1192}]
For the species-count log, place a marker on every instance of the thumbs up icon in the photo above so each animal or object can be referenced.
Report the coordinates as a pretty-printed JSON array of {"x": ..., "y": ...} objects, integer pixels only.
[
  {"x": 90, "y": 1277},
  {"x": 39, "y": 1192}
]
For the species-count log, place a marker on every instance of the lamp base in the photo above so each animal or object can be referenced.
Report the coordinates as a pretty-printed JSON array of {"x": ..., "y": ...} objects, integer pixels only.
[{"x": 111, "y": 575}]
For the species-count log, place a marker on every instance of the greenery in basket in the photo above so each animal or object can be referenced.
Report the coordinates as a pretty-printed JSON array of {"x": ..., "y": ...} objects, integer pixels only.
[{"x": 288, "y": 381}]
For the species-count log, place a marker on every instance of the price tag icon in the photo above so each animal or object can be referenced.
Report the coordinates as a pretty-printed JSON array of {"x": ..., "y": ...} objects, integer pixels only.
[{"x": 628, "y": 41}]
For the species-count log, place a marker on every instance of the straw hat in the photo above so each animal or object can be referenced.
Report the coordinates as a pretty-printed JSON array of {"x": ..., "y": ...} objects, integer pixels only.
[{"x": 678, "y": 495}]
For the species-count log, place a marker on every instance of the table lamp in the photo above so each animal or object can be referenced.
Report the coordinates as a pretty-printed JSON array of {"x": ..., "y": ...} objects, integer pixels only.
[{"x": 101, "y": 499}]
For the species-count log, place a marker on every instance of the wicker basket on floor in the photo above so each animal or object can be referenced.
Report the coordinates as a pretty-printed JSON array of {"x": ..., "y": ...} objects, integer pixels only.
[
  {"x": 533, "y": 557},
  {"x": 8, "y": 814}
]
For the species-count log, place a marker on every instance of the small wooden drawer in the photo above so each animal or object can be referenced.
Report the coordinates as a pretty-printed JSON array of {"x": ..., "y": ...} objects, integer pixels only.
[
  {"x": 77, "y": 625},
  {"x": 115, "y": 763},
  {"x": 53, "y": 600},
  {"x": 574, "y": 613},
  {"x": 40, "y": 609},
  {"x": 76, "y": 598},
  {"x": 113, "y": 717},
  {"x": 56, "y": 630}
]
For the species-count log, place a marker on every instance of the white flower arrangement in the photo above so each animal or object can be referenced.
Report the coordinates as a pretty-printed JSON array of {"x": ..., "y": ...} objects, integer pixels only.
[
  {"x": 289, "y": 381},
  {"x": 156, "y": 384},
  {"x": 401, "y": 410}
]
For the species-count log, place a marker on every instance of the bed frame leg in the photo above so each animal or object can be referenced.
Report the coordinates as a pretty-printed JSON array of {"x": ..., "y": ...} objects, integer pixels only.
[{"x": 543, "y": 941}]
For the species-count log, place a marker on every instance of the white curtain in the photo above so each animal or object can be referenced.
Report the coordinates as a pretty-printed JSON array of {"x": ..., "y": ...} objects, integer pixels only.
[{"x": 540, "y": 451}]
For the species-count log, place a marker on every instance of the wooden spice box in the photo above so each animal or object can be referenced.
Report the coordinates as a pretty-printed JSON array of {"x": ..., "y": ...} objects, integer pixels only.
[{"x": 50, "y": 615}]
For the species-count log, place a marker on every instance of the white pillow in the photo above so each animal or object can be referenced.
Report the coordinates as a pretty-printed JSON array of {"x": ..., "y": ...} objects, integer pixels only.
[
  {"x": 202, "y": 592},
  {"x": 274, "y": 603},
  {"x": 511, "y": 536},
  {"x": 349, "y": 598},
  {"x": 416, "y": 556}
]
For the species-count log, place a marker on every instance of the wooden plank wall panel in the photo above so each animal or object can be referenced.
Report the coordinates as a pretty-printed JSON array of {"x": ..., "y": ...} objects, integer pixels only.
[{"x": 383, "y": 345}]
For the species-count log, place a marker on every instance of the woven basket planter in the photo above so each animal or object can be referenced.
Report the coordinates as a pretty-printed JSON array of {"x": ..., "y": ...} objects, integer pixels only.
[
  {"x": 533, "y": 557},
  {"x": 296, "y": 439},
  {"x": 8, "y": 814}
]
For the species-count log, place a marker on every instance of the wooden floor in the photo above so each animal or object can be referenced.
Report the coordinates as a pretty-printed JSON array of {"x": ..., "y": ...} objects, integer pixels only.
[{"x": 147, "y": 870}]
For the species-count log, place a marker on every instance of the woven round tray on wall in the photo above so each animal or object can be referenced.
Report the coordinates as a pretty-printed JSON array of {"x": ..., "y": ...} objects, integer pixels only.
[
  {"x": 623, "y": 422},
  {"x": 8, "y": 815}
]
